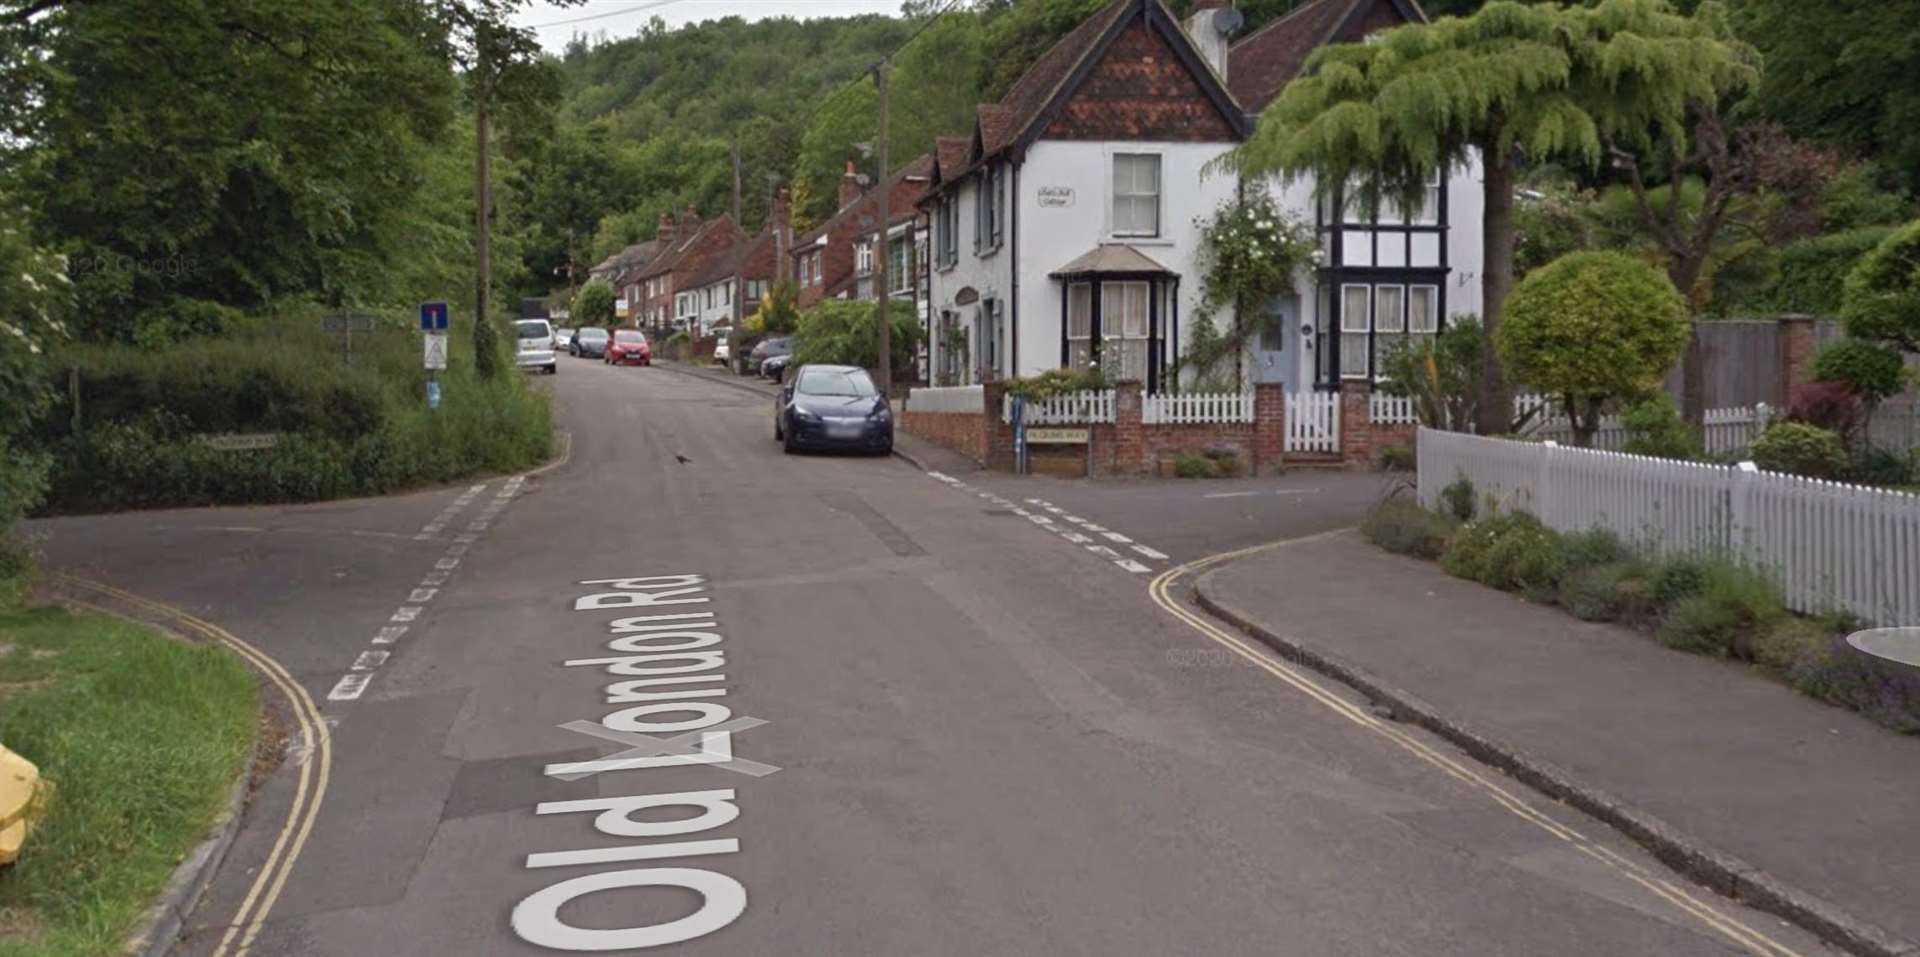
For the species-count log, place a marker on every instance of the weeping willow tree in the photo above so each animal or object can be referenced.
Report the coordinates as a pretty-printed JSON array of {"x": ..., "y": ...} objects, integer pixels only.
[{"x": 1512, "y": 85}]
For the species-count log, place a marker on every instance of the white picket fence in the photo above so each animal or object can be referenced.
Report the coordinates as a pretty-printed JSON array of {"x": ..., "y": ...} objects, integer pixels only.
[
  {"x": 1197, "y": 409},
  {"x": 959, "y": 398},
  {"x": 1726, "y": 430},
  {"x": 1073, "y": 408},
  {"x": 1313, "y": 422},
  {"x": 1383, "y": 409},
  {"x": 1827, "y": 545}
]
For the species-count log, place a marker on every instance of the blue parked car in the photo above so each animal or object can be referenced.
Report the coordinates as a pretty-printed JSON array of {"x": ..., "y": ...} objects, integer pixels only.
[{"x": 832, "y": 407}]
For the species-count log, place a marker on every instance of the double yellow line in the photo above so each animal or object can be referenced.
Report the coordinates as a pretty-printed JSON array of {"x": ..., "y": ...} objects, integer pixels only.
[
  {"x": 314, "y": 771},
  {"x": 1679, "y": 896}
]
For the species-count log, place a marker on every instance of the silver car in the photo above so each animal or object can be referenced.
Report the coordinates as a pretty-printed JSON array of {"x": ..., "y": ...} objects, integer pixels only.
[{"x": 534, "y": 347}]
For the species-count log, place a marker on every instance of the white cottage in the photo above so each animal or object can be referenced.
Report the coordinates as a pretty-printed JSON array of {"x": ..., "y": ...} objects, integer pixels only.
[{"x": 1066, "y": 230}]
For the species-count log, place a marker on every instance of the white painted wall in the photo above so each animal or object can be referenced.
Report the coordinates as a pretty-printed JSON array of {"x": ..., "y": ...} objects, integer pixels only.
[
  {"x": 988, "y": 272},
  {"x": 722, "y": 308},
  {"x": 1052, "y": 236},
  {"x": 1466, "y": 252}
]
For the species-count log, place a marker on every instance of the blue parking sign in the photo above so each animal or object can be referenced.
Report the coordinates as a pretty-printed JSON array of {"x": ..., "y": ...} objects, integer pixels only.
[{"x": 433, "y": 316}]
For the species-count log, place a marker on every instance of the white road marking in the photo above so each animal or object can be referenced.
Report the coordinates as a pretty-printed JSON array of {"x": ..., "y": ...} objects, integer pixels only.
[
  {"x": 349, "y": 687},
  {"x": 1077, "y": 520},
  {"x": 1117, "y": 537},
  {"x": 1103, "y": 551},
  {"x": 405, "y": 613},
  {"x": 1023, "y": 513},
  {"x": 1089, "y": 526},
  {"x": 1133, "y": 566},
  {"x": 370, "y": 660},
  {"x": 435, "y": 579},
  {"x": 1266, "y": 491},
  {"x": 422, "y": 594},
  {"x": 1074, "y": 537},
  {"x": 1150, "y": 553},
  {"x": 389, "y": 634},
  {"x": 1037, "y": 519}
]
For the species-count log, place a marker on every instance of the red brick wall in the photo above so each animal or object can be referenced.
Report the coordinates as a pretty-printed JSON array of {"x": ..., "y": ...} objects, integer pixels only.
[
  {"x": 1797, "y": 343},
  {"x": 1140, "y": 91},
  {"x": 963, "y": 432}
]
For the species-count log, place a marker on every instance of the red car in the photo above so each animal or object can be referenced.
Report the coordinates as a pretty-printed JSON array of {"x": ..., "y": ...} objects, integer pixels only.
[{"x": 629, "y": 348}]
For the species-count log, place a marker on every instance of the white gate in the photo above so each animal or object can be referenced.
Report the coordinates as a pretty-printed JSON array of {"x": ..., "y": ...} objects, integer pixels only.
[{"x": 1313, "y": 422}]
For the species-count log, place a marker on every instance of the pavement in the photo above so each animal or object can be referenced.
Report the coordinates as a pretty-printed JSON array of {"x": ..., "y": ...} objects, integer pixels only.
[
  {"x": 911, "y": 712},
  {"x": 1806, "y": 808}
]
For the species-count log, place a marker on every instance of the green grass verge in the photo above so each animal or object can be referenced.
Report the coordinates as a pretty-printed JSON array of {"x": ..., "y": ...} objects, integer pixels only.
[{"x": 142, "y": 738}]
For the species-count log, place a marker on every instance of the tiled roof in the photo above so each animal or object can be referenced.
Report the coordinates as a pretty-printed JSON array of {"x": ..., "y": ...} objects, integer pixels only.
[
  {"x": 1261, "y": 64},
  {"x": 739, "y": 260},
  {"x": 681, "y": 252},
  {"x": 1109, "y": 259},
  {"x": 952, "y": 152},
  {"x": 920, "y": 168},
  {"x": 1002, "y": 123}
]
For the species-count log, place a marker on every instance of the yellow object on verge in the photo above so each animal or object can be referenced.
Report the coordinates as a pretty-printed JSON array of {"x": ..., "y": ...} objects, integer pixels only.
[{"x": 19, "y": 802}]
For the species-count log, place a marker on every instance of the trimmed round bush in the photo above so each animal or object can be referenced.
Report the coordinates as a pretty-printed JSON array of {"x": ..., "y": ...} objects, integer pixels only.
[
  {"x": 1511, "y": 552},
  {"x": 1870, "y": 370},
  {"x": 1593, "y": 327},
  {"x": 1881, "y": 298},
  {"x": 1802, "y": 449}
]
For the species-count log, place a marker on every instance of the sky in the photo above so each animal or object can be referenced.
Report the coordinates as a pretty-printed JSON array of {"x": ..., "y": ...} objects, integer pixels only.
[{"x": 623, "y": 18}]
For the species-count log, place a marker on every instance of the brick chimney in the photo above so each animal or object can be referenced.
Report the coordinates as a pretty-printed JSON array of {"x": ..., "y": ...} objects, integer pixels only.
[
  {"x": 689, "y": 222},
  {"x": 850, "y": 188},
  {"x": 1210, "y": 27},
  {"x": 780, "y": 220},
  {"x": 667, "y": 232}
]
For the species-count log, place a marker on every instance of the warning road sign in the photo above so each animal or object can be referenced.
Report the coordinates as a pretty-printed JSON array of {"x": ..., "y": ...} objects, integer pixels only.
[{"x": 436, "y": 350}]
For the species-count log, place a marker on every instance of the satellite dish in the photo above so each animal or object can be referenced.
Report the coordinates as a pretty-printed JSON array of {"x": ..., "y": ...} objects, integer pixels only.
[{"x": 1228, "y": 20}]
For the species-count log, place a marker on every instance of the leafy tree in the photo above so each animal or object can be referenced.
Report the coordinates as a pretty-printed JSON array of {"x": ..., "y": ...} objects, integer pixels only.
[
  {"x": 35, "y": 302},
  {"x": 1882, "y": 295},
  {"x": 845, "y": 332},
  {"x": 593, "y": 305},
  {"x": 1509, "y": 85},
  {"x": 1842, "y": 72},
  {"x": 1592, "y": 329},
  {"x": 777, "y": 314},
  {"x": 217, "y": 151}
]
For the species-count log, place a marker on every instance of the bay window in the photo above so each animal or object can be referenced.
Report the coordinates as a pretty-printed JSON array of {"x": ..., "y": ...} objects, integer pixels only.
[
  {"x": 1123, "y": 330},
  {"x": 1079, "y": 325}
]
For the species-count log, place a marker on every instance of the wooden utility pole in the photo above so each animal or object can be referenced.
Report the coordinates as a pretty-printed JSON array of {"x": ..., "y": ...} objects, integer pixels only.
[
  {"x": 482, "y": 174},
  {"x": 885, "y": 377},
  {"x": 739, "y": 282}
]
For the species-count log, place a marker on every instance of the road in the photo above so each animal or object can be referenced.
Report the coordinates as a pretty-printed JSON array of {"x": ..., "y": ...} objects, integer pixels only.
[{"x": 955, "y": 727}]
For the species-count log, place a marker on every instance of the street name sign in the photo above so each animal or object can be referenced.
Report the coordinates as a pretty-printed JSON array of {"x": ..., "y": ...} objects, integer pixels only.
[
  {"x": 1057, "y": 436},
  {"x": 348, "y": 324}
]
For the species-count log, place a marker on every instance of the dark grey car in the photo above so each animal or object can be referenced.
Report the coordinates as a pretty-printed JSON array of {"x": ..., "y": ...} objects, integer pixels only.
[
  {"x": 589, "y": 343},
  {"x": 832, "y": 407}
]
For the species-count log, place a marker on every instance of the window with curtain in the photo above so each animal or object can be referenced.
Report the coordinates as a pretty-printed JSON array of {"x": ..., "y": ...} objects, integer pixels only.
[
  {"x": 1079, "y": 325},
  {"x": 1389, "y": 322},
  {"x": 1136, "y": 194},
  {"x": 1356, "y": 322},
  {"x": 1123, "y": 330},
  {"x": 899, "y": 270}
]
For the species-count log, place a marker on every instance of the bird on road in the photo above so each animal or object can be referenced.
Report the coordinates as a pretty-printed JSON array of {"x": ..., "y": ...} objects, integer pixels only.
[{"x": 683, "y": 460}]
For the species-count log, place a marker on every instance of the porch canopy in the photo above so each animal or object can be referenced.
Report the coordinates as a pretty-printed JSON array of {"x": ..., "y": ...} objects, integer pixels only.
[{"x": 1119, "y": 310}]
